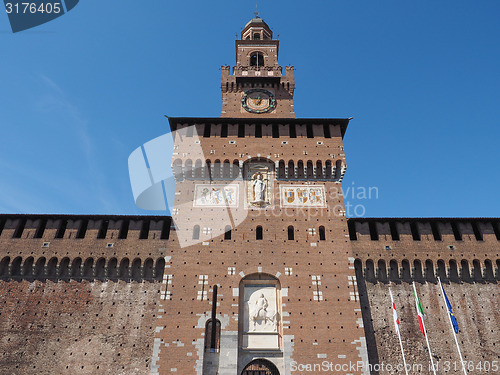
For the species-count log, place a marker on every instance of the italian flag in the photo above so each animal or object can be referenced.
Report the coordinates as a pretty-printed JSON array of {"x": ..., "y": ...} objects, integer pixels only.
[{"x": 420, "y": 311}]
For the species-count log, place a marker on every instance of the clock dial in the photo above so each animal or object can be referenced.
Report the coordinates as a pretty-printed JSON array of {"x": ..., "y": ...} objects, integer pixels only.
[{"x": 258, "y": 101}]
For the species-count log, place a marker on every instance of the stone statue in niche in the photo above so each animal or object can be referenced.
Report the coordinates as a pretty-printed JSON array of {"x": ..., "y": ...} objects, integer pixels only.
[
  {"x": 262, "y": 316},
  {"x": 259, "y": 189}
]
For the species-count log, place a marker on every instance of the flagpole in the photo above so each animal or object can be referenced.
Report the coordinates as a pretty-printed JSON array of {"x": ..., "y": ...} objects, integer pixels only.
[
  {"x": 425, "y": 334},
  {"x": 399, "y": 336},
  {"x": 452, "y": 328}
]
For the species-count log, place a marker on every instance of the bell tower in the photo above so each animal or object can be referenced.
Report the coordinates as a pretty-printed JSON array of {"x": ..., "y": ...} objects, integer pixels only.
[{"x": 257, "y": 86}]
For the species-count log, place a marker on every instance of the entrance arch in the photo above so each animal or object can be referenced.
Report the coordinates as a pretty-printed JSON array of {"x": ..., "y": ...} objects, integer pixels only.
[{"x": 260, "y": 367}]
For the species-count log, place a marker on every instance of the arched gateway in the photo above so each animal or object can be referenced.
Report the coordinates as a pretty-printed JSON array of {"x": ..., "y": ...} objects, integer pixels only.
[{"x": 260, "y": 367}]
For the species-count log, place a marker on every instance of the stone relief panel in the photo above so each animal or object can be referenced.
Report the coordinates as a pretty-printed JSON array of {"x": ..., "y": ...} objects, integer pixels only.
[
  {"x": 302, "y": 196},
  {"x": 261, "y": 317},
  {"x": 207, "y": 195}
]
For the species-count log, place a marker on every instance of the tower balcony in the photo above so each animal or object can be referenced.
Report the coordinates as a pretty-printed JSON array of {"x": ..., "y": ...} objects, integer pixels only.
[{"x": 260, "y": 71}]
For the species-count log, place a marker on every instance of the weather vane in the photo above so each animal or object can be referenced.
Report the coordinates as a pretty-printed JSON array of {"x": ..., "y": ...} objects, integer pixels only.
[{"x": 256, "y": 10}]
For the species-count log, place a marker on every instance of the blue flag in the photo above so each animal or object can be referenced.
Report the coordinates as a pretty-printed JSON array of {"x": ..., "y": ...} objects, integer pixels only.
[{"x": 448, "y": 304}]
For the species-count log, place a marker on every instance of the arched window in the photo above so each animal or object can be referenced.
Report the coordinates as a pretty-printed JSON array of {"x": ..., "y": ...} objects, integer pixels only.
[
  {"x": 159, "y": 268},
  {"x": 40, "y": 268},
  {"x": 188, "y": 169},
  {"x": 429, "y": 271},
  {"x": 441, "y": 270},
  {"x": 88, "y": 268},
  {"x": 100, "y": 269},
  {"x": 197, "y": 169},
  {"x": 300, "y": 169},
  {"x": 328, "y": 169},
  {"x": 124, "y": 269},
  {"x": 322, "y": 233},
  {"x": 291, "y": 233},
  {"x": 208, "y": 336},
  {"x": 256, "y": 59},
  {"x": 338, "y": 169},
  {"x": 113, "y": 269},
  {"x": 477, "y": 272},
  {"x": 405, "y": 265},
  {"x": 393, "y": 271},
  {"x": 417, "y": 270},
  {"x": 291, "y": 169},
  {"x": 227, "y": 232},
  {"x": 148, "y": 269},
  {"x": 236, "y": 169},
  {"x": 196, "y": 232},
  {"x": 52, "y": 268},
  {"x": 28, "y": 267},
  {"x": 488, "y": 270},
  {"x": 465, "y": 270},
  {"x": 256, "y": 36},
  {"x": 136, "y": 269},
  {"x": 258, "y": 233},
  {"x": 16, "y": 267},
  {"x": 226, "y": 170},
  {"x": 382, "y": 271},
  {"x": 4, "y": 267},
  {"x": 454, "y": 271},
  {"x": 319, "y": 169},
  {"x": 281, "y": 169},
  {"x": 370, "y": 271},
  {"x": 63, "y": 268},
  {"x": 310, "y": 170}
]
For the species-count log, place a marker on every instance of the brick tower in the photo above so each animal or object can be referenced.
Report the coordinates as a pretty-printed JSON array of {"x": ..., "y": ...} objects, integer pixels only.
[
  {"x": 257, "y": 85},
  {"x": 259, "y": 213}
]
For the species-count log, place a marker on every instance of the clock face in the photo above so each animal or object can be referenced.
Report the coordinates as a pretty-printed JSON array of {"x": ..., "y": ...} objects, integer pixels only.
[{"x": 258, "y": 101}]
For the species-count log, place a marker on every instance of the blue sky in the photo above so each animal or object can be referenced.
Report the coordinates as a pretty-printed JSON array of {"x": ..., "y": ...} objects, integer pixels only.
[{"x": 420, "y": 78}]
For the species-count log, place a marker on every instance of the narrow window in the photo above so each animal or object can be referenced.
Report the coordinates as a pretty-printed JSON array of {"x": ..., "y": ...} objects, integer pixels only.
[
  {"x": 291, "y": 234},
  {"x": 20, "y": 228},
  {"x": 258, "y": 131},
  {"x": 414, "y": 231},
  {"x": 435, "y": 231},
  {"x": 353, "y": 236},
  {"x": 227, "y": 232},
  {"x": 208, "y": 336},
  {"x": 326, "y": 130},
  {"x": 83, "y": 229},
  {"x": 165, "y": 230},
  {"x": 394, "y": 231},
  {"x": 41, "y": 228},
  {"x": 373, "y": 231},
  {"x": 223, "y": 132},
  {"x": 103, "y": 229},
  {"x": 494, "y": 224},
  {"x": 124, "y": 230},
  {"x": 241, "y": 130},
  {"x": 477, "y": 232},
  {"x": 309, "y": 130},
  {"x": 293, "y": 131},
  {"x": 456, "y": 231},
  {"x": 258, "y": 233},
  {"x": 322, "y": 234},
  {"x": 196, "y": 232},
  {"x": 61, "y": 229},
  {"x": 207, "y": 131},
  {"x": 145, "y": 230},
  {"x": 276, "y": 131}
]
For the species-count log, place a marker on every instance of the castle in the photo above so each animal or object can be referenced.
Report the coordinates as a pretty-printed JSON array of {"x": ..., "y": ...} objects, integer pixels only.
[{"x": 258, "y": 271}]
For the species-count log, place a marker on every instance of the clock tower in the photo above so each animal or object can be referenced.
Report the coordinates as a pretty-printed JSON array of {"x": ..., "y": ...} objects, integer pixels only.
[{"x": 257, "y": 87}]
